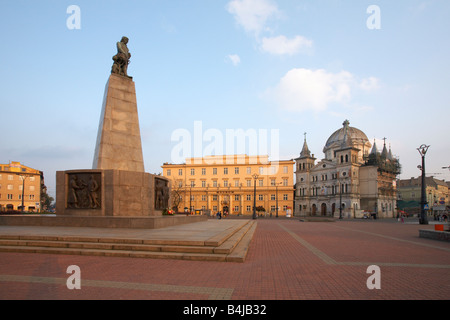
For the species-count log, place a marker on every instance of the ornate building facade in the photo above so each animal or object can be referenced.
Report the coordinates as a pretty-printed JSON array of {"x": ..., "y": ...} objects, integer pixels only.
[
  {"x": 354, "y": 178},
  {"x": 229, "y": 183}
]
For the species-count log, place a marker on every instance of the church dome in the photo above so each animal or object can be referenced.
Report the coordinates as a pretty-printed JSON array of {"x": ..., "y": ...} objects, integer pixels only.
[{"x": 346, "y": 137}]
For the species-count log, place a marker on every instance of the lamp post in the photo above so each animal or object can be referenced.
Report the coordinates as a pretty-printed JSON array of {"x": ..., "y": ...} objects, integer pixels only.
[
  {"x": 23, "y": 176},
  {"x": 340, "y": 200},
  {"x": 255, "y": 176},
  {"x": 423, "y": 217},
  {"x": 190, "y": 197},
  {"x": 276, "y": 197}
]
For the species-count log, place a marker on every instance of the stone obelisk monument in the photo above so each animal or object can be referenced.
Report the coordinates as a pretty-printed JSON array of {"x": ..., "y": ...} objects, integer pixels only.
[
  {"x": 119, "y": 140},
  {"x": 117, "y": 185}
]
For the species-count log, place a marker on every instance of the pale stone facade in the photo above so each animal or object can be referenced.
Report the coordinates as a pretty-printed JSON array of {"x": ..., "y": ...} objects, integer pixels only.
[
  {"x": 227, "y": 184},
  {"x": 352, "y": 180}
]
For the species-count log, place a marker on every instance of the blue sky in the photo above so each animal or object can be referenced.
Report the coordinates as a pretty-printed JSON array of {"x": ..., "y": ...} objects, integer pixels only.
[{"x": 293, "y": 66}]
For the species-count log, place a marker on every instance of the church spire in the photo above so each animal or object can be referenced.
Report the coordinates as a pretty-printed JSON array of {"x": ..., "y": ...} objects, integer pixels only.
[
  {"x": 374, "y": 150},
  {"x": 384, "y": 153},
  {"x": 390, "y": 156},
  {"x": 305, "y": 150}
]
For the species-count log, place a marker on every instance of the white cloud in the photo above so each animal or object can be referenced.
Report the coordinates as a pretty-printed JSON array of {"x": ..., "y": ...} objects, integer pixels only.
[
  {"x": 369, "y": 84},
  {"x": 305, "y": 89},
  {"x": 252, "y": 15},
  {"x": 235, "y": 59},
  {"x": 281, "y": 45}
]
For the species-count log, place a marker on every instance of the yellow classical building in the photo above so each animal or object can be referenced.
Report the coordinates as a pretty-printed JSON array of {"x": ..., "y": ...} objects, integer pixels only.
[
  {"x": 19, "y": 186},
  {"x": 228, "y": 184}
]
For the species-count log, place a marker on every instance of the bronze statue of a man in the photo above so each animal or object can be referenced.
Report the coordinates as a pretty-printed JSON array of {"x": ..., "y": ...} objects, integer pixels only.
[{"x": 122, "y": 58}]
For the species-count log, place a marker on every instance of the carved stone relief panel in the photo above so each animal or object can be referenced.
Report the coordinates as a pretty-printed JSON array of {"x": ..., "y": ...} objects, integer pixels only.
[
  {"x": 162, "y": 193},
  {"x": 84, "y": 191}
]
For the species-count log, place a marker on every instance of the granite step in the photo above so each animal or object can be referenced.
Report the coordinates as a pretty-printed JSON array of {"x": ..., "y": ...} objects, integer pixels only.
[{"x": 229, "y": 245}]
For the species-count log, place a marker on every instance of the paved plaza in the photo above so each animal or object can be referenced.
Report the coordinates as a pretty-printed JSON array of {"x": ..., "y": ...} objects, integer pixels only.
[{"x": 286, "y": 260}]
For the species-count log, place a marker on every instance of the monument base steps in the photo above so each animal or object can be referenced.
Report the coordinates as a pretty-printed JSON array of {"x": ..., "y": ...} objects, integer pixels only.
[{"x": 228, "y": 245}]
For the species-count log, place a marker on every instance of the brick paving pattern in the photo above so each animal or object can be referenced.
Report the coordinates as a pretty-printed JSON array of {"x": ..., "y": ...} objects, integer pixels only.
[{"x": 287, "y": 260}]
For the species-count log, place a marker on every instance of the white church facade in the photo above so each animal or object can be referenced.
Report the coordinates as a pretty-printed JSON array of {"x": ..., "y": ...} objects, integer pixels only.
[{"x": 354, "y": 179}]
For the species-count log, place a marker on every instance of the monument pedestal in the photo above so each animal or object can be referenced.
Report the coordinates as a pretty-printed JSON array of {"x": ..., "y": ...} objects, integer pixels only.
[
  {"x": 119, "y": 139},
  {"x": 110, "y": 193}
]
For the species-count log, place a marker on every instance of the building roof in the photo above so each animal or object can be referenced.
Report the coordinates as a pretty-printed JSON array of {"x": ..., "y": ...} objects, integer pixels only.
[{"x": 345, "y": 137}]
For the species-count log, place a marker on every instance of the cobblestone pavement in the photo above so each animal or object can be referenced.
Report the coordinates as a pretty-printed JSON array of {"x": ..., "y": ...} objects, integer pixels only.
[{"x": 287, "y": 260}]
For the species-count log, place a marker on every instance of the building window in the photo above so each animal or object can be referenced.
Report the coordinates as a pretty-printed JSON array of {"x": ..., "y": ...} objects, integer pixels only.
[
  {"x": 261, "y": 182},
  {"x": 225, "y": 170},
  {"x": 272, "y": 182},
  {"x": 272, "y": 197},
  {"x": 203, "y": 184},
  {"x": 215, "y": 197},
  {"x": 215, "y": 208},
  {"x": 260, "y": 197},
  {"x": 180, "y": 172},
  {"x": 214, "y": 171},
  {"x": 10, "y": 187},
  {"x": 215, "y": 183},
  {"x": 203, "y": 171},
  {"x": 10, "y": 177},
  {"x": 203, "y": 197},
  {"x": 249, "y": 208},
  {"x": 249, "y": 170},
  {"x": 192, "y": 172},
  {"x": 168, "y": 172},
  {"x": 236, "y": 197},
  {"x": 236, "y": 183},
  {"x": 225, "y": 183},
  {"x": 236, "y": 170},
  {"x": 192, "y": 184},
  {"x": 249, "y": 183},
  {"x": 249, "y": 197},
  {"x": 236, "y": 208},
  {"x": 285, "y": 182},
  {"x": 285, "y": 169},
  {"x": 285, "y": 197}
]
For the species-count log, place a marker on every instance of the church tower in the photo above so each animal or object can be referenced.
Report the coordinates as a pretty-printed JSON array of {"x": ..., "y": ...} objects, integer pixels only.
[
  {"x": 306, "y": 161},
  {"x": 303, "y": 166}
]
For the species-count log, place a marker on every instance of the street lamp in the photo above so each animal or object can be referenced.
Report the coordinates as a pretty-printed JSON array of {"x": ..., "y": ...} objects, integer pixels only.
[
  {"x": 23, "y": 176},
  {"x": 423, "y": 217},
  {"x": 190, "y": 197},
  {"x": 276, "y": 196},
  {"x": 255, "y": 176},
  {"x": 340, "y": 199}
]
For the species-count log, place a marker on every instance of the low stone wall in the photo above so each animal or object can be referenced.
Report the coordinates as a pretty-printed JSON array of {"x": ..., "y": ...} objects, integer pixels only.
[
  {"x": 435, "y": 235},
  {"x": 100, "y": 222}
]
